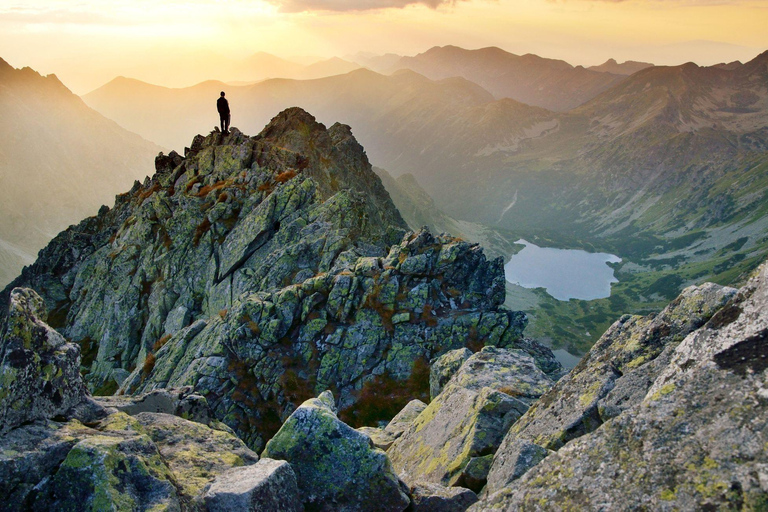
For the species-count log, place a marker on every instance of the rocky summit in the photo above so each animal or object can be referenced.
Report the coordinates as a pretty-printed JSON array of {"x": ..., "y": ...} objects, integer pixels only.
[
  {"x": 261, "y": 294},
  {"x": 262, "y": 271}
]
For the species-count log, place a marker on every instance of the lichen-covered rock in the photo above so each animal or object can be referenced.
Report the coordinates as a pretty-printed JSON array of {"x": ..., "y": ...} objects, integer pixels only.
[
  {"x": 572, "y": 408},
  {"x": 267, "y": 486},
  {"x": 39, "y": 370},
  {"x": 263, "y": 270},
  {"x": 455, "y": 427},
  {"x": 511, "y": 371},
  {"x": 336, "y": 467},
  {"x": 442, "y": 369},
  {"x": 513, "y": 462},
  {"x": 194, "y": 453},
  {"x": 403, "y": 420},
  {"x": 695, "y": 441},
  {"x": 431, "y": 497},
  {"x": 180, "y": 402},
  {"x": 468, "y": 419},
  {"x": 151, "y": 461},
  {"x": 104, "y": 472}
]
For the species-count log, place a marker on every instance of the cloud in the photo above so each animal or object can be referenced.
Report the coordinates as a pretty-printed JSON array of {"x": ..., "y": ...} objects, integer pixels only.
[{"x": 354, "y": 5}]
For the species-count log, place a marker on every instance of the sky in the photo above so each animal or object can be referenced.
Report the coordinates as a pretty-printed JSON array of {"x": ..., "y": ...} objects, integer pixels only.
[{"x": 178, "y": 43}]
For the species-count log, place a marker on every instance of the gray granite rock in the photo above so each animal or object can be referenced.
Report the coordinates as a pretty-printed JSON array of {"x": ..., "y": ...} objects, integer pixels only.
[
  {"x": 695, "y": 441},
  {"x": 39, "y": 371},
  {"x": 431, "y": 497},
  {"x": 442, "y": 369},
  {"x": 267, "y": 486},
  {"x": 337, "y": 468}
]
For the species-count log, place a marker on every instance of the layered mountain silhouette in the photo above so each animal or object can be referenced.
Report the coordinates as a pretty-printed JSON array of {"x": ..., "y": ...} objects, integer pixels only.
[
  {"x": 59, "y": 162},
  {"x": 549, "y": 83},
  {"x": 625, "y": 68}
]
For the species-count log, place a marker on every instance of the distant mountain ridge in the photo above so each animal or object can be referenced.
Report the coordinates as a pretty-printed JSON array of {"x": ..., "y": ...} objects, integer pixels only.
[
  {"x": 537, "y": 81},
  {"x": 625, "y": 68},
  {"x": 61, "y": 160}
]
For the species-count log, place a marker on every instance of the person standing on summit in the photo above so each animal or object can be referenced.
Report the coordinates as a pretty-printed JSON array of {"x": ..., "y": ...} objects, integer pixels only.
[{"x": 222, "y": 105}]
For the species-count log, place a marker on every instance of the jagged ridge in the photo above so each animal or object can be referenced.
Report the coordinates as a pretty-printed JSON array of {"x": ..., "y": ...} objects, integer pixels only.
[{"x": 261, "y": 271}]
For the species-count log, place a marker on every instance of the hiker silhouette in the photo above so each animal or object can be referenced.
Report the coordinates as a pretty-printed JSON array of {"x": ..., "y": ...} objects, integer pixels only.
[{"x": 222, "y": 105}]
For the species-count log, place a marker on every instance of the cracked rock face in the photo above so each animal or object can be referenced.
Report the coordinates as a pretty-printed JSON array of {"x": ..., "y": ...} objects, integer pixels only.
[
  {"x": 39, "y": 370},
  {"x": 260, "y": 271},
  {"x": 687, "y": 424}
]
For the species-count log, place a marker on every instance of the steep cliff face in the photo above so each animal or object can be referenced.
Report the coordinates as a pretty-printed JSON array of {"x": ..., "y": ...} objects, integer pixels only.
[{"x": 262, "y": 271}]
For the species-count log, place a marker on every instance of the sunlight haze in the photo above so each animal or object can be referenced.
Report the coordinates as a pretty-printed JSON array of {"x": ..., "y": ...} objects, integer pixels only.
[{"x": 179, "y": 43}]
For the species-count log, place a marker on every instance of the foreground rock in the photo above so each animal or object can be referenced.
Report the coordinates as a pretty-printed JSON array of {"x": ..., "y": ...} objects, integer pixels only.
[
  {"x": 336, "y": 467},
  {"x": 53, "y": 461},
  {"x": 428, "y": 497},
  {"x": 39, "y": 370},
  {"x": 695, "y": 441},
  {"x": 267, "y": 486},
  {"x": 450, "y": 441}
]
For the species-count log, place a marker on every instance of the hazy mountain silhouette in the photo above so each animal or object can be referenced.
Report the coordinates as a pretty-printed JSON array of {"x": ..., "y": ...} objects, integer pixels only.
[
  {"x": 59, "y": 161},
  {"x": 383, "y": 110},
  {"x": 549, "y": 83},
  {"x": 625, "y": 68},
  {"x": 664, "y": 152}
]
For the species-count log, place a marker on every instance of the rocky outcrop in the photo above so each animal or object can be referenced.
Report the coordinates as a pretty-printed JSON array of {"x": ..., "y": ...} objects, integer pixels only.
[
  {"x": 267, "y": 486},
  {"x": 695, "y": 440},
  {"x": 450, "y": 441},
  {"x": 260, "y": 271},
  {"x": 617, "y": 371},
  {"x": 39, "y": 370},
  {"x": 62, "y": 450},
  {"x": 336, "y": 467}
]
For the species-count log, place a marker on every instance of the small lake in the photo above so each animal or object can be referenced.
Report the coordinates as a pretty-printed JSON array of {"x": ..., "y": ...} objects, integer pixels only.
[{"x": 564, "y": 273}]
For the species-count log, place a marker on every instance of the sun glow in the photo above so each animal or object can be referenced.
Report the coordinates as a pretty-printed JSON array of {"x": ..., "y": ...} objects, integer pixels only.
[{"x": 175, "y": 42}]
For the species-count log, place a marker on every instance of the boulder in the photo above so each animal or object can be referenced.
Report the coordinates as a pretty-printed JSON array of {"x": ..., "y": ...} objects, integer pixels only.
[
  {"x": 468, "y": 419},
  {"x": 572, "y": 408},
  {"x": 267, "y": 486},
  {"x": 510, "y": 371},
  {"x": 39, "y": 371},
  {"x": 106, "y": 472},
  {"x": 513, "y": 462},
  {"x": 695, "y": 441},
  {"x": 195, "y": 453},
  {"x": 336, "y": 467},
  {"x": 458, "y": 425},
  {"x": 442, "y": 369},
  {"x": 431, "y": 497}
]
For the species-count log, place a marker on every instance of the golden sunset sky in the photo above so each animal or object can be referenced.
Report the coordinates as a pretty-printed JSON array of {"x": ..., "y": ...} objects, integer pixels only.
[{"x": 180, "y": 42}]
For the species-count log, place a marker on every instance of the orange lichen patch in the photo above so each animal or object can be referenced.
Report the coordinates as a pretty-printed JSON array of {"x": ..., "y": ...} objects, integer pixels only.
[
  {"x": 159, "y": 343},
  {"x": 285, "y": 176},
  {"x": 383, "y": 397},
  {"x": 427, "y": 317},
  {"x": 474, "y": 342},
  {"x": 202, "y": 229},
  {"x": 151, "y": 190},
  {"x": 149, "y": 365},
  {"x": 215, "y": 186}
]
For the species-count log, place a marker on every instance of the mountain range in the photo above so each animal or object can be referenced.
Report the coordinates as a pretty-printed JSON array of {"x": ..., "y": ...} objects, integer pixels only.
[
  {"x": 663, "y": 168},
  {"x": 255, "y": 328},
  {"x": 59, "y": 162}
]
